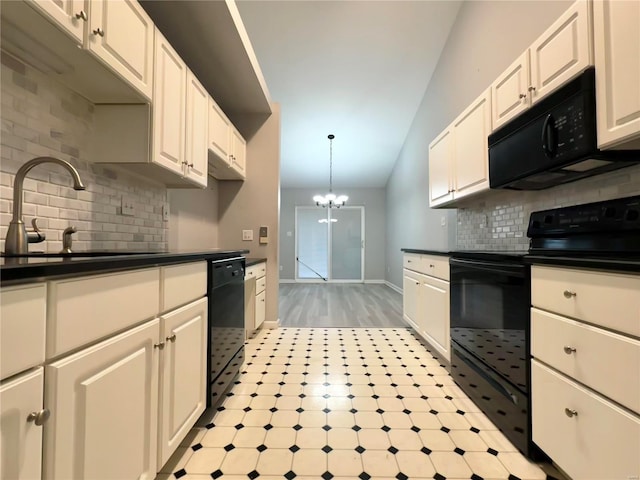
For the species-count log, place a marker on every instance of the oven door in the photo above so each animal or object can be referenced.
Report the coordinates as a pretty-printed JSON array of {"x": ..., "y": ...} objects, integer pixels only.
[{"x": 490, "y": 311}]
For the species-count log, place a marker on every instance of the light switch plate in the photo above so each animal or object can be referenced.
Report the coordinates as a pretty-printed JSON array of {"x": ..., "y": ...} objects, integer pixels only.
[
  {"x": 247, "y": 235},
  {"x": 165, "y": 212}
]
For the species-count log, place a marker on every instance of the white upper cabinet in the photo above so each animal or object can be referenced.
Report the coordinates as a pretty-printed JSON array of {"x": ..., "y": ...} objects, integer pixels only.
[
  {"x": 471, "y": 151},
  {"x": 219, "y": 138},
  {"x": 121, "y": 35},
  {"x": 197, "y": 131},
  {"x": 617, "y": 59},
  {"x": 169, "y": 96},
  {"x": 440, "y": 168},
  {"x": 69, "y": 15},
  {"x": 239, "y": 155},
  {"x": 563, "y": 51},
  {"x": 227, "y": 147},
  {"x": 509, "y": 91}
]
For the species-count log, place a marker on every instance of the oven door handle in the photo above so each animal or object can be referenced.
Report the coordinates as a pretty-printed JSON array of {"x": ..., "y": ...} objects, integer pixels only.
[
  {"x": 495, "y": 383},
  {"x": 510, "y": 268}
]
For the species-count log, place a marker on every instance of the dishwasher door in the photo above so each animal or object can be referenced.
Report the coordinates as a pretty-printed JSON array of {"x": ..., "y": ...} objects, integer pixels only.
[{"x": 226, "y": 325}]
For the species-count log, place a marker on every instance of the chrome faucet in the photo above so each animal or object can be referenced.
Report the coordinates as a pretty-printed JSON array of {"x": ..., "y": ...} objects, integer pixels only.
[{"x": 18, "y": 239}]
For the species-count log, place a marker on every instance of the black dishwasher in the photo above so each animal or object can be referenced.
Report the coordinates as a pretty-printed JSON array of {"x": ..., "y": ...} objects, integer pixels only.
[{"x": 226, "y": 326}]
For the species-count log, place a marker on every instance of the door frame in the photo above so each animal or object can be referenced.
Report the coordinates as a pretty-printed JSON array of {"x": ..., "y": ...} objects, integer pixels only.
[{"x": 363, "y": 245}]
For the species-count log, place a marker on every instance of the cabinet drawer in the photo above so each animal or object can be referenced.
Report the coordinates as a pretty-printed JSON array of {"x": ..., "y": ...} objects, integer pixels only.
[
  {"x": 22, "y": 327},
  {"x": 411, "y": 261},
  {"x": 182, "y": 284},
  {"x": 261, "y": 284},
  {"x": 590, "y": 363},
  {"x": 611, "y": 300},
  {"x": 436, "y": 266},
  {"x": 601, "y": 441},
  {"x": 256, "y": 271},
  {"x": 82, "y": 310}
]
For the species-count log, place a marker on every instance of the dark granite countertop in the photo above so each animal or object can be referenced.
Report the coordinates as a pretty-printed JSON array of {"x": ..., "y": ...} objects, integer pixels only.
[
  {"x": 15, "y": 270},
  {"x": 426, "y": 252},
  {"x": 253, "y": 261}
]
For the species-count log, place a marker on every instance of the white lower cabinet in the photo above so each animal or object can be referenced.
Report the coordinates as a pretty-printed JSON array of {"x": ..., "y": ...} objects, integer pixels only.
[
  {"x": 255, "y": 297},
  {"x": 21, "y": 440},
  {"x": 425, "y": 299},
  {"x": 183, "y": 375},
  {"x": 104, "y": 409},
  {"x": 589, "y": 437}
]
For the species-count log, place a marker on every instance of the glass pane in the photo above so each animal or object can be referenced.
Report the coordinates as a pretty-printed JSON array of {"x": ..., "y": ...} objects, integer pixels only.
[
  {"x": 311, "y": 236},
  {"x": 346, "y": 244}
]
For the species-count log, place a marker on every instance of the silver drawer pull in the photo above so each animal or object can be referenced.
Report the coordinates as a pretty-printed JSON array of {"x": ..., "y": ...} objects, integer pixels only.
[
  {"x": 569, "y": 350},
  {"x": 568, "y": 294},
  {"x": 159, "y": 345},
  {"x": 39, "y": 417},
  {"x": 172, "y": 338},
  {"x": 570, "y": 412},
  {"x": 432, "y": 266},
  {"x": 98, "y": 31},
  {"x": 82, "y": 15}
]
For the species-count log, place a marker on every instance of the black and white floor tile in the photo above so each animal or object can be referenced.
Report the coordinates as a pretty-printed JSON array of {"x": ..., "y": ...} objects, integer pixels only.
[{"x": 342, "y": 403}]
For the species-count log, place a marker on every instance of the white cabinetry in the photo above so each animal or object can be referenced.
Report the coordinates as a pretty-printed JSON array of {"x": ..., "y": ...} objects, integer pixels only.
[
  {"x": 458, "y": 157},
  {"x": 227, "y": 148},
  {"x": 104, "y": 399},
  {"x": 562, "y": 52},
  {"x": 121, "y": 35},
  {"x": 617, "y": 59},
  {"x": 590, "y": 426},
  {"x": 69, "y": 15},
  {"x": 426, "y": 298},
  {"x": 183, "y": 374},
  {"x": 255, "y": 296},
  {"x": 196, "y": 131},
  {"x": 21, "y": 444}
]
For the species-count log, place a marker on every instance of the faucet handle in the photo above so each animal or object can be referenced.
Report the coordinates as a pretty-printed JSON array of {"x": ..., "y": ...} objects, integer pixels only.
[
  {"x": 66, "y": 239},
  {"x": 36, "y": 235}
]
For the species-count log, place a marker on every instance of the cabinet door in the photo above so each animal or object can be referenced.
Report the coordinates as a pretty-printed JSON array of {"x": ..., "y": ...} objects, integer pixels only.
[
  {"x": 169, "y": 97},
  {"x": 410, "y": 292},
  {"x": 509, "y": 91},
  {"x": 617, "y": 59},
  {"x": 434, "y": 326},
  {"x": 197, "y": 131},
  {"x": 562, "y": 52},
  {"x": 21, "y": 446},
  {"x": 69, "y": 15},
  {"x": 471, "y": 150},
  {"x": 239, "y": 152},
  {"x": 121, "y": 35},
  {"x": 184, "y": 375},
  {"x": 219, "y": 132},
  {"x": 104, "y": 409},
  {"x": 261, "y": 309},
  {"x": 440, "y": 166}
]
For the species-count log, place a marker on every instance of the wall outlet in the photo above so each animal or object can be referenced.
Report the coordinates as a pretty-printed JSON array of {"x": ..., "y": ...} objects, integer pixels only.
[
  {"x": 126, "y": 206},
  {"x": 443, "y": 221},
  {"x": 247, "y": 235},
  {"x": 165, "y": 212}
]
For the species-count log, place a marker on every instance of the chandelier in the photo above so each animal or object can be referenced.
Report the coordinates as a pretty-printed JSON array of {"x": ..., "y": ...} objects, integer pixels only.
[{"x": 330, "y": 200}]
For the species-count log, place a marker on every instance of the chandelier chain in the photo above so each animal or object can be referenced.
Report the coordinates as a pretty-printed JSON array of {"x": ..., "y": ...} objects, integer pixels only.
[{"x": 331, "y": 165}]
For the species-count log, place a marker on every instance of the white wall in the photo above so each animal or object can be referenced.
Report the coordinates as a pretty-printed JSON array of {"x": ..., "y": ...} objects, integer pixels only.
[
  {"x": 486, "y": 37},
  {"x": 373, "y": 199},
  {"x": 193, "y": 219}
]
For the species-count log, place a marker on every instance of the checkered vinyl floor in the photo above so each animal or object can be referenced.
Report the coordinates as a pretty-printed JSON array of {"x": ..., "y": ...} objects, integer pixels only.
[{"x": 341, "y": 403}]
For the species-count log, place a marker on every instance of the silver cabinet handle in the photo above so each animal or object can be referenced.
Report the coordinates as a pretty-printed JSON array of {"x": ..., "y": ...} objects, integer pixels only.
[
  {"x": 98, "y": 31},
  {"x": 432, "y": 266},
  {"x": 417, "y": 283},
  {"x": 172, "y": 338},
  {"x": 159, "y": 346},
  {"x": 81, "y": 15},
  {"x": 569, "y": 350},
  {"x": 532, "y": 89},
  {"x": 569, "y": 294},
  {"x": 570, "y": 412},
  {"x": 523, "y": 95},
  {"x": 190, "y": 165},
  {"x": 39, "y": 417}
]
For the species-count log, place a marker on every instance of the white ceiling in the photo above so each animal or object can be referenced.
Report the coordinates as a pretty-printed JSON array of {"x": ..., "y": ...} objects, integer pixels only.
[{"x": 357, "y": 69}]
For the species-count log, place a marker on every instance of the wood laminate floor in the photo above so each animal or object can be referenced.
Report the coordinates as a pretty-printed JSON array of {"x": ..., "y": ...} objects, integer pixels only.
[{"x": 340, "y": 305}]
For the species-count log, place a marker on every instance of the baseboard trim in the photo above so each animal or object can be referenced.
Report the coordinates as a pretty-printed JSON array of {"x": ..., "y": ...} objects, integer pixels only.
[
  {"x": 377, "y": 282},
  {"x": 287, "y": 280},
  {"x": 393, "y": 287}
]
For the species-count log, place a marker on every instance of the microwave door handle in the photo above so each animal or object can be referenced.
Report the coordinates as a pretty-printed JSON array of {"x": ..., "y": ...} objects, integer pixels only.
[{"x": 549, "y": 141}]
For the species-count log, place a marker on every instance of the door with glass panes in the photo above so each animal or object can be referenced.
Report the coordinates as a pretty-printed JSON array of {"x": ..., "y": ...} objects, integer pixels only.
[{"x": 330, "y": 244}]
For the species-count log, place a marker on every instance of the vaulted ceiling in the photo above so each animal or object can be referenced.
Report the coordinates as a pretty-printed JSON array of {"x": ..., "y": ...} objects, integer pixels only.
[{"x": 356, "y": 69}]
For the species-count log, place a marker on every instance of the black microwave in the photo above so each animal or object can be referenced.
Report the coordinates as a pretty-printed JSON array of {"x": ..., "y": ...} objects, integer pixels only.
[{"x": 553, "y": 142}]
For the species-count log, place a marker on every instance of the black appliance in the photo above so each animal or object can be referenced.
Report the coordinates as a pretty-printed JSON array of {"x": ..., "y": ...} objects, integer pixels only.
[
  {"x": 491, "y": 300},
  {"x": 490, "y": 330},
  {"x": 226, "y": 326},
  {"x": 553, "y": 142}
]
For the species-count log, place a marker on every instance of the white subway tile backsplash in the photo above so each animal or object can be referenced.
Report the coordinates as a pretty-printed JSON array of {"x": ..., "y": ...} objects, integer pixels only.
[
  {"x": 40, "y": 117},
  {"x": 506, "y": 213}
]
